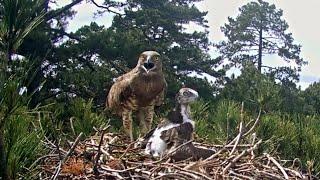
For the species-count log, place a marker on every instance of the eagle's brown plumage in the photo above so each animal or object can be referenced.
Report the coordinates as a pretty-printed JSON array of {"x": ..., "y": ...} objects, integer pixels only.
[{"x": 139, "y": 90}]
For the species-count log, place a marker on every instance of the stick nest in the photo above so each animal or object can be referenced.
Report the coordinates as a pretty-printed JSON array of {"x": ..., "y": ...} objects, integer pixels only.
[{"x": 112, "y": 156}]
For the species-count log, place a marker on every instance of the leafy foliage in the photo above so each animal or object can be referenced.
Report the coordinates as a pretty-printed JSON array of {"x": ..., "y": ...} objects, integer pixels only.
[
  {"x": 18, "y": 19},
  {"x": 22, "y": 144},
  {"x": 293, "y": 136},
  {"x": 84, "y": 120},
  {"x": 258, "y": 30},
  {"x": 312, "y": 99},
  {"x": 217, "y": 123},
  {"x": 20, "y": 138},
  {"x": 287, "y": 135},
  {"x": 254, "y": 89}
]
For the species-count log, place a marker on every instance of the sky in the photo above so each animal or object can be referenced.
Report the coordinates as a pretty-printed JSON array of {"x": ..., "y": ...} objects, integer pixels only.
[{"x": 302, "y": 17}]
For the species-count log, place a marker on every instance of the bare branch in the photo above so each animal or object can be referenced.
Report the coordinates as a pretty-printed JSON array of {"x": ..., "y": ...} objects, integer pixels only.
[
  {"x": 58, "y": 12},
  {"x": 106, "y": 8}
]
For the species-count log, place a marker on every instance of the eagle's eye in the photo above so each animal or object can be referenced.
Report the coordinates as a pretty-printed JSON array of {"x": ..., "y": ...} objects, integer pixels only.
[
  {"x": 156, "y": 58},
  {"x": 185, "y": 93}
]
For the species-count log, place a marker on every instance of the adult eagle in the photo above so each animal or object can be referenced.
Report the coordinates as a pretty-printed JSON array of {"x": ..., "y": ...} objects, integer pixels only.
[{"x": 139, "y": 90}]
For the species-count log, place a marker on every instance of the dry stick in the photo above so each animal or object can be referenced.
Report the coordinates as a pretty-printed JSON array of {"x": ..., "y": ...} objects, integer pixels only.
[
  {"x": 106, "y": 152},
  {"x": 215, "y": 154},
  {"x": 58, "y": 169},
  {"x": 250, "y": 130},
  {"x": 254, "y": 125},
  {"x": 203, "y": 176},
  {"x": 197, "y": 144},
  {"x": 241, "y": 112},
  {"x": 165, "y": 165},
  {"x": 148, "y": 173},
  {"x": 191, "y": 165},
  {"x": 227, "y": 127},
  {"x": 120, "y": 171},
  {"x": 240, "y": 155},
  {"x": 154, "y": 170},
  {"x": 192, "y": 175},
  {"x": 72, "y": 147},
  {"x": 275, "y": 169},
  {"x": 126, "y": 151},
  {"x": 95, "y": 167},
  {"x": 58, "y": 149},
  {"x": 238, "y": 139},
  {"x": 278, "y": 165},
  {"x": 172, "y": 175},
  {"x": 269, "y": 175},
  {"x": 114, "y": 139},
  {"x": 244, "y": 166},
  {"x": 294, "y": 162},
  {"x": 173, "y": 151},
  {"x": 296, "y": 173},
  {"x": 40, "y": 158},
  {"x": 90, "y": 144},
  {"x": 108, "y": 174},
  {"x": 72, "y": 127},
  {"x": 247, "y": 169},
  {"x": 240, "y": 175},
  {"x": 309, "y": 167},
  {"x": 253, "y": 136},
  {"x": 48, "y": 142}
]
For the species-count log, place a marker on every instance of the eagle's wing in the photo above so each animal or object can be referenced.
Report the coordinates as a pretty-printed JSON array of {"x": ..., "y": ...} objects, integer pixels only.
[
  {"x": 170, "y": 136},
  {"x": 162, "y": 123},
  {"x": 120, "y": 91},
  {"x": 160, "y": 98},
  {"x": 178, "y": 135},
  {"x": 143, "y": 141}
]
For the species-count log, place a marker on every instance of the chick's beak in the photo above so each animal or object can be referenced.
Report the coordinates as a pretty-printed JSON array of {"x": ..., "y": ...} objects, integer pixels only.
[{"x": 194, "y": 93}]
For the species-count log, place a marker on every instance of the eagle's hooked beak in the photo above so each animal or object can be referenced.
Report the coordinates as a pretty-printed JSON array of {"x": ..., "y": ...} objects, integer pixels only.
[{"x": 148, "y": 64}]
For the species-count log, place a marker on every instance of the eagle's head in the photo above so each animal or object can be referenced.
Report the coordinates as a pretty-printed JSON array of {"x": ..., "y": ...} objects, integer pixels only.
[
  {"x": 186, "y": 96},
  {"x": 149, "y": 61}
]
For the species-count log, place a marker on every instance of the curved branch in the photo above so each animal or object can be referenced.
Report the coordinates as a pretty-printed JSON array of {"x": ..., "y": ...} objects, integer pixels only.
[
  {"x": 58, "y": 12},
  {"x": 107, "y": 8},
  {"x": 62, "y": 32}
]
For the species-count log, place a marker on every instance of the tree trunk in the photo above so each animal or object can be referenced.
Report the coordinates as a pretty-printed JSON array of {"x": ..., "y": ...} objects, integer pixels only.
[
  {"x": 260, "y": 50},
  {"x": 3, "y": 159}
]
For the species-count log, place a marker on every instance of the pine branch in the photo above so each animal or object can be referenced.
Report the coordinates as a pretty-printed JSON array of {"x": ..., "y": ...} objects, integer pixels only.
[
  {"x": 60, "y": 11},
  {"x": 106, "y": 8}
]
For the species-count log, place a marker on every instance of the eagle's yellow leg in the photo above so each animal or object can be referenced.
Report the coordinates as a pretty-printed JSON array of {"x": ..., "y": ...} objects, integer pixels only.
[
  {"x": 127, "y": 123},
  {"x": 145, "y": 116}
]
